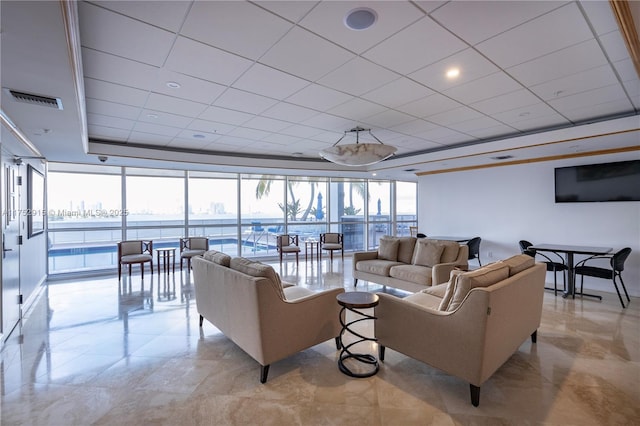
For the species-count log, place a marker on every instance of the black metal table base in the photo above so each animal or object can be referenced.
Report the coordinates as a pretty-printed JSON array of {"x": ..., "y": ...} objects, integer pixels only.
[{"x": 346, "y": 354}]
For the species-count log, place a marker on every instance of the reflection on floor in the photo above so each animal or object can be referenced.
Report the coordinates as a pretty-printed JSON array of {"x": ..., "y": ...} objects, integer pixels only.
[{"x": 95, "y": 352}]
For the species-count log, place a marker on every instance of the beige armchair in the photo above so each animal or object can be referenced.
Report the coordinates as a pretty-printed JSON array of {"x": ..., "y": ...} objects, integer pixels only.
[
  {"x": 132, "y": 252},
  {"x": 331, "y": 241},
  {"x": 192, "y": 246},
  {"x": 287, "y": 244}
]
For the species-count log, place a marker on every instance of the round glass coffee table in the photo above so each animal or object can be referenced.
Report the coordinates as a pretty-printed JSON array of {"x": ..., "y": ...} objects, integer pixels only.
[{"x": 356, "y": 301}]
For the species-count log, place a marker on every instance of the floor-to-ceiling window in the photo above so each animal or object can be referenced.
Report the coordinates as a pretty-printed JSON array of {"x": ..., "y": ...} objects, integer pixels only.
[{"x": 91, "y": 208}]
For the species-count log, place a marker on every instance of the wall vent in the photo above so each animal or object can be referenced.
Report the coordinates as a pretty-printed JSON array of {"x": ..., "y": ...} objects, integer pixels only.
[
  {"x": 502, "y": 157},
  {"x": 33, "y": 99},
  {"x": 410, "y": 170}
]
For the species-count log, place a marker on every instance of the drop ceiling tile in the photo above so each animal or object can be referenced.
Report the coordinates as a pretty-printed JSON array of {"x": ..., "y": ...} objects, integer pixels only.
[
  {"x": 289, "y": 112},
  {"x": 247, "y": 133},
  {"x": 165, "y": 119},
  {"x": 269, "y": 82},
  {"x": 478, "y": 123},
  {"x": 240, "y": 100},
  {"x": 413, "y": 127},
  {"x": 291, "y": 10},
  {"x": 506, "y": 102},
  {"x": 149, "y": 139},
  {"x": 603, "y": 109},
  {"x": 110, "y": 121},
  {"x": 590, "y": 97},
  {"x": 329, "y": 122},
  {"x": 576, "y": 83},
  {"x": 188, "y": 143},
  {"x": 151, "y": 46},
  {"x": 615, "y": 46},
  {"x": 193, "y": 89},
  {"x": 427, "y": 41},
  {"x": 281, "y": 139},
  {"x": 475, "y": 21},
  {"x": 429, "y": 5},
  {"x": 626, "y": 70},
  {"x": 600, "y": 16},
  {"x": 536, "y": 123},
  {"x": 471, "y": 64},
  {"x": 500, "y": 130},
  {"x": 327, "y": 20},
  {"x": 267, "y": 124},
  {"x": 301, "y": 131},
  {"x": 206, "y": 62},
  {"x": 156, "y": 129},
  {"x": 306, "y": 55},
  {"x": 556, "y": 30},
  {"x": 633, "y": 90},
  {"x": 103, "y": 90},
  {"x": 356, "y": 109},
  {"x": 388, "y": 118},
  {"x": 107, "y": 133},
  {"x": 397, "y": 92},
  {"x": 358, "y": 76},
  {"x": 112, "y": 69},
  {"x": 445, "y": 136},
  {"x": 564, "y": 62},
  {"x": 318, "y": 97},
  {"x": 199, "y": 126},
  {"x": 234, "y": 26},
  {"x": 329, "y": 137},
  {"x": 483, "y": 88},
  {"x": 224, "y": 115},
  {"x": 428, "y": 106},
  {"x": 164, "y": 14},
  {"x": 525, "y": 113},
  {"x": 96, "y": 106},
  {"x": 173, "y": 105},
  {"x": 234, "y": 141},
  {"x": 454, "y": 116}
]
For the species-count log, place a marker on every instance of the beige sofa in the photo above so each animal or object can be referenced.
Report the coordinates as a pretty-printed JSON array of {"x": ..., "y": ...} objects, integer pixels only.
[
  {"x": 270, "y": 321},
  {"x": 469, "y": 326},
  {"x": 410, "y": 263}
]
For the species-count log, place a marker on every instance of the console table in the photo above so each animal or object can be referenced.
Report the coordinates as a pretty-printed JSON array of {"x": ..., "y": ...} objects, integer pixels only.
[{"x": 355, "y": 301}]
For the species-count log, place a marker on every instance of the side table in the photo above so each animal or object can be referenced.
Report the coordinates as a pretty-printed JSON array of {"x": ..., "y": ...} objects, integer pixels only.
[
  {"x": 309, "y": 245},
  {"x": 168, "y": 255},
  {"x": 355, "y": 301}
]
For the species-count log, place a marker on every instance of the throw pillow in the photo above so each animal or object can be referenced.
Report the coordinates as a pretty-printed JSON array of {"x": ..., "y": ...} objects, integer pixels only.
[
  {"x": 388, "y": 249},
  {"x": 405, "y": 249},
  {"x": 519, "y": 263},
  {"x": 451, "y": 286},
  {"x": 257, "y": 269},
  {"x": 450, "y": 252},
  {"x": 427, "y": 253},
  {"x": 483, "y": 277}
]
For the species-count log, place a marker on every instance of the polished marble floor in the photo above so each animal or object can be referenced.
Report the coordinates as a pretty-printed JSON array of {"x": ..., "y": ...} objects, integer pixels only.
[{"x": 91, "y": 352}]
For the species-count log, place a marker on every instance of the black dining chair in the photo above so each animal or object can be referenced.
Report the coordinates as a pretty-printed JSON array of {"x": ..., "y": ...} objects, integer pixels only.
[
  {"x": 617, "y": 266},
  {"x": 474, "y": 249},
  {"x": 552, "y": 265}
]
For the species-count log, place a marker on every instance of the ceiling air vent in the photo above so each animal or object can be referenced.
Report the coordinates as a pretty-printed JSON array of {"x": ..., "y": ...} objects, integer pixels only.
[
  {"x": 502, "y": 157},
  {"x": 410, "y": 170},
  {"x": 30, "y": 98}
]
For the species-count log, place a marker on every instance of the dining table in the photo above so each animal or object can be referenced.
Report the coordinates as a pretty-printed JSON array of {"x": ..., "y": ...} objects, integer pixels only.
[
  {"x": 450, "y": 238},
  {"x": 570, "y": 251}
]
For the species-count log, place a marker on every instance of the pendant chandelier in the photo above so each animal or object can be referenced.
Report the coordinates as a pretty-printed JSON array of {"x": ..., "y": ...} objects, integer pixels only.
[{"x": 358, "y": 154}]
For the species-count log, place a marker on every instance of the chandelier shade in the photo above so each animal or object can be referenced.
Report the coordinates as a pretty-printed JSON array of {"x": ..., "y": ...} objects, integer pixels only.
[{"x": 358, "y": 154}]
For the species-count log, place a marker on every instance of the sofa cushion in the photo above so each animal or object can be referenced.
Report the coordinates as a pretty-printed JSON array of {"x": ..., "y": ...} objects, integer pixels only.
[
  {"x": 217, "y": 257},
  {"x": 437, "y": 290},
  {"x": 450, "y": 289},
  {"x": 405, "y": 249},
  {"x": 427, "y": 253},
  {"x": 412, "y": 273},
  {"x": 519, "y": 263},
  {"x": 388, "y": 249},
  {"x": 450, "y": 251},
  {"x": 376, "y": 266},
  {"x": 424, "y": 299},
  {"x": 483, "y": 277},
  {"x": 257, "y": 269}
]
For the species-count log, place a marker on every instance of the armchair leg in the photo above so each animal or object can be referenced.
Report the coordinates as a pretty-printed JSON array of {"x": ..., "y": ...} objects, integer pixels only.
[
  {"x": 264, "y": 372},
  {"x": 475, "y": 395},
  {"x": 201, "y": 319},
  {"x": 355, "y": 282},
  {"x": 534, "y": 336},
  {"x": 381, "y": 352}
]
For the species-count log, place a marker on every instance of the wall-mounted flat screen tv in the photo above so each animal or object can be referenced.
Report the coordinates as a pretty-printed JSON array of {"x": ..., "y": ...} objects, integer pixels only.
[{"x": 598, "y": 182}]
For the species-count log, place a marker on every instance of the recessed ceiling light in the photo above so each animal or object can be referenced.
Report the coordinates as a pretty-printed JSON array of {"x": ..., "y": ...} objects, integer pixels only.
[
  {"x": 360, "y": 18},
  {"x": 173, "y": 85},
  {"x": 524, "y": 114},
  {"x": 374, "y": 174},
  {"x": 453, "y": 73},
  {"x": 152, "y": 116}
]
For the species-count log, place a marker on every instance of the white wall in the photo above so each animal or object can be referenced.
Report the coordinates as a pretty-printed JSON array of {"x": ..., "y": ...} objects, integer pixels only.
[{"x": 506, "y": 204}]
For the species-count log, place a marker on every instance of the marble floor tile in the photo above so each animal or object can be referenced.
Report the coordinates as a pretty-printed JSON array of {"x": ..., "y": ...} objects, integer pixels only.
[{"x": 99, "y": 352}]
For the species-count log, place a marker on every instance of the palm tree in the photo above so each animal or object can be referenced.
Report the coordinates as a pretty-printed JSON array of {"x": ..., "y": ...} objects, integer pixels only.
[{"x": 292, "y": 209}]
